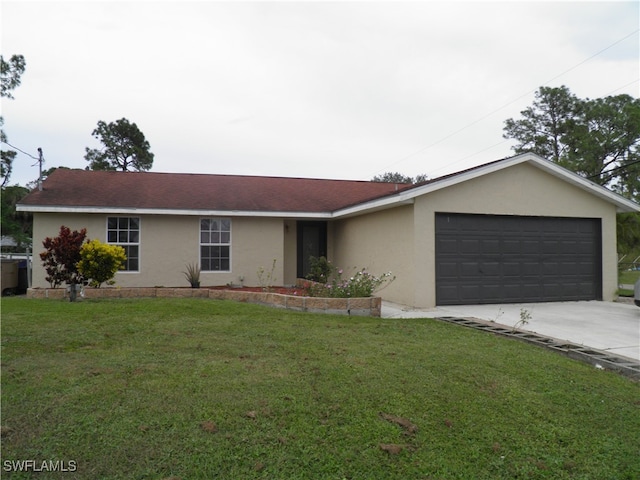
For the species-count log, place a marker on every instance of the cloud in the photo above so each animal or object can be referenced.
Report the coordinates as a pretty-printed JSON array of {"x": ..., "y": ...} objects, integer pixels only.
[{"x": 336, "y": 90}]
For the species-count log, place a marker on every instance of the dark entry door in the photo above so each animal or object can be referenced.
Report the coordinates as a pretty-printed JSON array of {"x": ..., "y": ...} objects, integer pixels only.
[
  {"x": 312, "y": 242},
  {"x": 512, "y": 259}
]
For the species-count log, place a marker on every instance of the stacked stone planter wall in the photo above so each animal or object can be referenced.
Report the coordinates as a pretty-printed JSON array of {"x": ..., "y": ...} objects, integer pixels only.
[{"x": 368, "y": 306}]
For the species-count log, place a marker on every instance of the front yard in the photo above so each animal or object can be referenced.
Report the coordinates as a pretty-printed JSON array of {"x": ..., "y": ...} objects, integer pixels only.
[{"x": 197, "y": 388}]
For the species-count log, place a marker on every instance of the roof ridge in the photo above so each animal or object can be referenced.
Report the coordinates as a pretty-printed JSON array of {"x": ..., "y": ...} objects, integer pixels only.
[{"x": 234, "y": 175}]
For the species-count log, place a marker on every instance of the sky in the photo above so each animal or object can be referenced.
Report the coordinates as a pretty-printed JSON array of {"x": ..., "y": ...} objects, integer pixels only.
[{"x": 344, "y": 90}]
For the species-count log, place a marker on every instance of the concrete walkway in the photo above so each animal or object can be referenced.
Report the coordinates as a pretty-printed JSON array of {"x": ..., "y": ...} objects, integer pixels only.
[{"x": 608, "y": 326}]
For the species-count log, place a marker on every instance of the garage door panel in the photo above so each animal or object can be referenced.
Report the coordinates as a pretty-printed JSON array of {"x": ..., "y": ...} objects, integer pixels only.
[
  {"x": 511, "y": 245},
  {"x": 470, "y": 291},
  {"x": 491, "y": 245},
  {"x": 493, "y": 258},
  {"x": 470, "y": 246},
  {"x": 512, "y": 269},
  {"x": 447, "y": 245}
]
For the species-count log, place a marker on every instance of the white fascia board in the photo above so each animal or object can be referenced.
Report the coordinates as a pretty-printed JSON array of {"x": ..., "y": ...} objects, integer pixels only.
[
  {"x": 408, "y": 197},
  {"x": 623, "y": 205},
  {"x": 157, "y": 211},
  {"x": 403, "y": 198},
  {"x": 374, "y": 205}
]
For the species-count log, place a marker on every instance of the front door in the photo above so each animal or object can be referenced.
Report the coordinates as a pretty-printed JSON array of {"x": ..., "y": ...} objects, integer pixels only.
[{"x": 312, "y": 242}]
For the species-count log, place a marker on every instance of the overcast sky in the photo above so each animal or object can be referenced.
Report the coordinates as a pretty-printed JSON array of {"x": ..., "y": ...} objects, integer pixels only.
[{"x": 305, "y": 89}]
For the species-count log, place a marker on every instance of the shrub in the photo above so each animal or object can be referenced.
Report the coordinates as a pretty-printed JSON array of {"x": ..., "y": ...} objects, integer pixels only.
[
  {"x": 267, "y": 278},
  {"x": 362, "y": 284},
  {"x": 193, "y": 274},
  {"x": 320, "y": 269},
  {"x": 99, "y": 262},
  {"x": 62, "y": 255}
]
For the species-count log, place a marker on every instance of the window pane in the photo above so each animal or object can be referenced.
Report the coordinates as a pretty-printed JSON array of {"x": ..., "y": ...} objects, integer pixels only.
[
  {"x": 132, "y": 262},
  {"x": 112, "y": 223},
  {"x": 123, "y": 237},
  {"x": 215, "y": 236},
  {"x": 112, "y": 237},
  {"x": 134, "y": 223},
  {"x": 134, "y": 237},
  {"x": 123, "y": 223}
]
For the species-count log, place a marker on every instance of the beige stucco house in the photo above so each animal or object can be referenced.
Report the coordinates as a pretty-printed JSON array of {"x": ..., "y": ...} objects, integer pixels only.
[{"x": 521, "y": 229}]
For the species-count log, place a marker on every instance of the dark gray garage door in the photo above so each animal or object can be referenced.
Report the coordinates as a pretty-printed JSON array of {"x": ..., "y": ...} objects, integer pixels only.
[{"x": 511, "y": 259}]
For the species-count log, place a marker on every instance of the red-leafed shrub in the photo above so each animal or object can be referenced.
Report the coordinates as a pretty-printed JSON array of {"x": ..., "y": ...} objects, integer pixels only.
[{"x": 62, "y": 255}]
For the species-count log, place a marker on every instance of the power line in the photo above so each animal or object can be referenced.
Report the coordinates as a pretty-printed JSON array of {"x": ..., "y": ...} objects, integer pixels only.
[
  {"x": 623, "y": 86},
  {"x": 594, "y": 55},
  {"x": 21, "y": 151},
  {"x": 619, "y": 167},
  {"x": 431, "y": 145}
]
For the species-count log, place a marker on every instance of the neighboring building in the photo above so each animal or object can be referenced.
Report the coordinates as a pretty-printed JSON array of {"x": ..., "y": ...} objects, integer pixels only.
[{"x": 521, "y": 229}]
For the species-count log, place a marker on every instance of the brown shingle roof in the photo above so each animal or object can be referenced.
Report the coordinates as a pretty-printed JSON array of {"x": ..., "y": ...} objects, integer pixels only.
[{"x": 181, "y": 191}]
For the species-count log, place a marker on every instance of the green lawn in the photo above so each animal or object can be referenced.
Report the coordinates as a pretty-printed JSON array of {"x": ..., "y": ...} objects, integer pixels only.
[
  {"x": 629, "y": 277},
  {"x": 201, "y": 389}
]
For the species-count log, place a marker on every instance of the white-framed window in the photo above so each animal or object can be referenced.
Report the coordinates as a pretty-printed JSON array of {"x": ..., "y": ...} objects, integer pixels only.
[
  {"x": 215, "y": 244},
  {"x": 125, "y": 232}
]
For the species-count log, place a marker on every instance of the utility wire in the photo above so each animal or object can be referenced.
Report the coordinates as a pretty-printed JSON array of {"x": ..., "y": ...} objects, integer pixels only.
[
  {"x": 623, "y": 86},
  {"x": 431, "y": 145},
  {"x": 21, "y": 151},
  {"x": 594, "y": 55},
  {"x": 619, "y": 167}
]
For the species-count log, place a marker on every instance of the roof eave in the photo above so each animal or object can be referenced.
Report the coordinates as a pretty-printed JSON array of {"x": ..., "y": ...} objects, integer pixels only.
[
  {"x": 623, "y": 205},
  {"x": 167, "y": 211}
]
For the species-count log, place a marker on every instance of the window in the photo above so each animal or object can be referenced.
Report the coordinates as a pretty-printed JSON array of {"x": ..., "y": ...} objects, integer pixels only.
[
  {"x": 215, "y": 244},
  {"x": 125, "y": 232}
]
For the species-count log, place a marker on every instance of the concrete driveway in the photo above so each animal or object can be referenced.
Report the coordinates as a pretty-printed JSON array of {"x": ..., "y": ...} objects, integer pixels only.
[{"x": 609, "y": 326}]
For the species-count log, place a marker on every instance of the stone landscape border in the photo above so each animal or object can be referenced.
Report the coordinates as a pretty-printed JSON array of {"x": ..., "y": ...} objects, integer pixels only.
[{"x": 365, "y": 306}]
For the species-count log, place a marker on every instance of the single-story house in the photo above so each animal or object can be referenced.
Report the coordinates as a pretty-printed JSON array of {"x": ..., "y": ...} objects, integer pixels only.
[{"x": 520, "y": 229}]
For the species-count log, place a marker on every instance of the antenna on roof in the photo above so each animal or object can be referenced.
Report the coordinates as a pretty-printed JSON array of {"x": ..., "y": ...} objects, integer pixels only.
[{"x": 40, "y": 162}]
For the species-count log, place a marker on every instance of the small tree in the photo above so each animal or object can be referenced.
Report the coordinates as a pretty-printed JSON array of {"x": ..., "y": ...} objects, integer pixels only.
[
  {"x": 99, "y": 262},
  {"x": 10, "y": 76},
  {"x": 125, "y": 147},
  {"x": 62, "y": 255}
]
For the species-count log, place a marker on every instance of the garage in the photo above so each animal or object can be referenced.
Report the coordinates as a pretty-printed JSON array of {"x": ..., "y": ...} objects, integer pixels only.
[{"x": 516, "y": 259}]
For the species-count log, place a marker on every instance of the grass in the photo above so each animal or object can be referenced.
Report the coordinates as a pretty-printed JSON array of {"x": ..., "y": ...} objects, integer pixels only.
[
  {"x": 201, "y": 389},
  {"x": 629, "y": 277}
]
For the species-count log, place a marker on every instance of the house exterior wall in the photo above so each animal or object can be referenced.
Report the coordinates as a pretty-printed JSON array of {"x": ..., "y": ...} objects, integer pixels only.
[
  {"x": 168, "y": 243},
  {"x": 380, "y": 242},
  {"x": 400, "y": 239},
  {"x": 519, "y": 190},
  {"x": 290, "y": 252}
]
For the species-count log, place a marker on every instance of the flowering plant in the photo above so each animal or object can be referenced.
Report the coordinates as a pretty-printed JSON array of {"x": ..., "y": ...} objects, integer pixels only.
[{"x": 361, "y": 284}]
